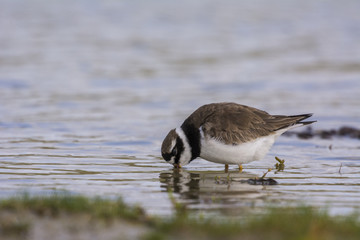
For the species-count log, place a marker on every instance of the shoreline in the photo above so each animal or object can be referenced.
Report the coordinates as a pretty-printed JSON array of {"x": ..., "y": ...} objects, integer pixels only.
[{"x": 78, "y": 217}]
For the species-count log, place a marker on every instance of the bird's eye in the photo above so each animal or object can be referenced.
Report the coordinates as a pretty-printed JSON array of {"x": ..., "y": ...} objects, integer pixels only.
[{"x": 174, "y": 151}]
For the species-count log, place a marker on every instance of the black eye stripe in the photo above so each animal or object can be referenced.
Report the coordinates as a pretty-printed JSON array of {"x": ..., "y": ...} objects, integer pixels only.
[
  {"x": 174, "y": 151},
  {"x": 166, "y": 156},
  {"x": 179, "y": 149}
]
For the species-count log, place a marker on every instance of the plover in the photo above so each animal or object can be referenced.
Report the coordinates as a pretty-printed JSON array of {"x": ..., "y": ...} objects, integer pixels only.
[{"x": 227, "y": 133}]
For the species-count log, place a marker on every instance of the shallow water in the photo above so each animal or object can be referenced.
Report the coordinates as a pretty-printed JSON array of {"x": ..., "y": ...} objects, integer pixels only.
[{"x": 88, "y": 90}]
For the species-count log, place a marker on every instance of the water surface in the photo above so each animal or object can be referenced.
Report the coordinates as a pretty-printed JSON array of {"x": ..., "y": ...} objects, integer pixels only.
[{"x": 88, "y": 90}]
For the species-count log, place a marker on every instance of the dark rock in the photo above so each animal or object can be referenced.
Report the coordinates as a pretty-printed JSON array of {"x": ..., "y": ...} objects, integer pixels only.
[
  {"x": 327, "y": 134},
  {"x": 262, "y": 181},
  {"x": 350, "y": 132},
  {"x": 344, "y": 131},
  {"x": 305, "y": 135}
]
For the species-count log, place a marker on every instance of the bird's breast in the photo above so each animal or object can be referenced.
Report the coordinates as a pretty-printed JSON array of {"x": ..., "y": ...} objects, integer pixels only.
[{"x": 216, "y": 151}]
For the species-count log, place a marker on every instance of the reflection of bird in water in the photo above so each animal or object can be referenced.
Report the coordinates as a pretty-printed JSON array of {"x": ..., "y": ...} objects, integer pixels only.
[
  {"x": 183, "y": 182},
  {"x": 227, "y": 133},
  {"x": 204, "y": 190}
]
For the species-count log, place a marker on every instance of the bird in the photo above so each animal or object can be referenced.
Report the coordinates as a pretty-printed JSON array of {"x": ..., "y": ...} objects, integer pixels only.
[{"x": 227, "y": 133}]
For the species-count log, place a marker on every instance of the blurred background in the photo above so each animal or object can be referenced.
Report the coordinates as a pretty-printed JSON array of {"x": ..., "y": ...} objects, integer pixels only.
[{"x": 89, "y": 88}]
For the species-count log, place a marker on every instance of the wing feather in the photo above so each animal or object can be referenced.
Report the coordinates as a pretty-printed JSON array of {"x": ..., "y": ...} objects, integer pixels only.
[{"x": 233, "y": 123}]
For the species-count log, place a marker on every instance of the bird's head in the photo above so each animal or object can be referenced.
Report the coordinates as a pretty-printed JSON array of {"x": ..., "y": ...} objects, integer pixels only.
[{"x": 175, "y": 148}]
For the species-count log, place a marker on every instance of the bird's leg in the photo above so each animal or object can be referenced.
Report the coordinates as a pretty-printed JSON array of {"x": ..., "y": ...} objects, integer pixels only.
[
  {"x": 226, "y": 168},
  {"x": 240, "y": 168}
]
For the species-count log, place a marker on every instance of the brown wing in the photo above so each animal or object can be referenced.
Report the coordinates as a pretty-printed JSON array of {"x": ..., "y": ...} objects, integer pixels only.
[{"x": 233, "y": 123}]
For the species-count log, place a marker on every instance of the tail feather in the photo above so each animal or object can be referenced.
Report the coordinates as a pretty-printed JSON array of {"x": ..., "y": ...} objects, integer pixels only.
[
  {"x": 283, "y": 122},
  {"x": 303, "y": 117}
]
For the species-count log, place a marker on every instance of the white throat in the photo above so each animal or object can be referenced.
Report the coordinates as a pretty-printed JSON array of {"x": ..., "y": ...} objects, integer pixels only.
[{"x": 186, "y": 154}]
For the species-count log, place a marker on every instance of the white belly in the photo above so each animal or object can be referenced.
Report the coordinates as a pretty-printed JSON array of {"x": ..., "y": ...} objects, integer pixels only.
[{"x": 218, "y": 152}]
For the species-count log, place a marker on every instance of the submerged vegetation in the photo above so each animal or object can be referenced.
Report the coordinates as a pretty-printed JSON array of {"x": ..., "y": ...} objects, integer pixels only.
[
  {"x": 280, "y": 165},
  {"x": 19, "y": 216}
]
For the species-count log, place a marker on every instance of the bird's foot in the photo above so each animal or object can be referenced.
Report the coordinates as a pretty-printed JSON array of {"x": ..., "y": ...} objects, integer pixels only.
[
  {"x": 226, "y": 168},
  {"x": 177, "y": 166}
]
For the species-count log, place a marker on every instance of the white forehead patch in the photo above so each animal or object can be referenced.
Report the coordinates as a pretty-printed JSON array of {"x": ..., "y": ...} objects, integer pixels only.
[{"x": 172, "y": 145}]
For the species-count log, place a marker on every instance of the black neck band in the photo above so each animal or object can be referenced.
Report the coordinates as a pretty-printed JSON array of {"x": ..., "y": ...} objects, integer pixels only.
[{"x": 193, "y": 136}]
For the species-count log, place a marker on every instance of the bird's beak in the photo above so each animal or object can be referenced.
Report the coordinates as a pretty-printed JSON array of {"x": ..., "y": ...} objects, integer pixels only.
[{"x": 177, "y": 165}]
